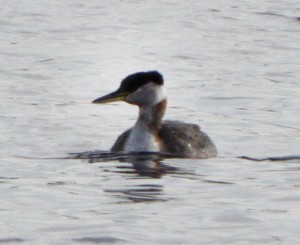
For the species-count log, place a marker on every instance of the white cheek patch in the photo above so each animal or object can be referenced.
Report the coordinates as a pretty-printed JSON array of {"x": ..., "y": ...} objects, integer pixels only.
[{"x": 160, "y": 94}]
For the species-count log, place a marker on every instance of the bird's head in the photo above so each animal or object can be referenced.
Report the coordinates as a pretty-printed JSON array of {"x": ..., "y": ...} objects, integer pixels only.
[{"x": 142, "y": 89}]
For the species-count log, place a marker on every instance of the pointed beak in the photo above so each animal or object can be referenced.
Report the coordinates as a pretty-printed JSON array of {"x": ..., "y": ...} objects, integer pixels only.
[{"x": 112, "y": 97}]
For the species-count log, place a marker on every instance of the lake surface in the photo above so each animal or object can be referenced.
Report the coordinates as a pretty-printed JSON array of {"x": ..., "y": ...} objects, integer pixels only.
[{"x": 231, "y": 67}]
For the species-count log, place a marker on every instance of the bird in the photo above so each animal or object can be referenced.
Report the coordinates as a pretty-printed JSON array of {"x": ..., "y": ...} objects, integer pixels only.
[{"x": 150, "y": 133}]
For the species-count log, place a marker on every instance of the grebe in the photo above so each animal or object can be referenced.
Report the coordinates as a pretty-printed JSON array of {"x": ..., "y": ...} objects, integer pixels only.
[{"x": 150, "y": 133}]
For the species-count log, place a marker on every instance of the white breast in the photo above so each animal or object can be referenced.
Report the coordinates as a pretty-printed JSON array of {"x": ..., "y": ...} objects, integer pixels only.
[{"x": 140, "y": 139}]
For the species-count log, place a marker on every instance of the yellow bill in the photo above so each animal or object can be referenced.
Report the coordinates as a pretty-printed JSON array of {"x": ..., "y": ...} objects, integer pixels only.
[{"x": 112, "y": 97}]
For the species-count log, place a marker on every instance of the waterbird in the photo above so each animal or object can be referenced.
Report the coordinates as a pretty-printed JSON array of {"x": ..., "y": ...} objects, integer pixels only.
[{"x": 150, "y": 133}]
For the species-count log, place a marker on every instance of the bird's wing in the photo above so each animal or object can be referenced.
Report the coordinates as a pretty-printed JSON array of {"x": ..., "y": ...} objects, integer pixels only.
[{"x": 186, "y": 139}]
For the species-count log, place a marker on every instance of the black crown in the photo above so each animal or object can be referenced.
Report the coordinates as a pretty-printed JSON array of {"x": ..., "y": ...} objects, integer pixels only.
[{"x": 139, "y": 79}]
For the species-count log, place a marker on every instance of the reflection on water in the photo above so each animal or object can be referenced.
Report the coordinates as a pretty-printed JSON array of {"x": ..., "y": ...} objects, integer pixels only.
[
  {"x": 151, "y": 165},
  {"x": 140, "y": 193},
  {"x": 142, "y": 164},
  {"x": 97, "y": 240},
  {"x": 11, "y": 240}
]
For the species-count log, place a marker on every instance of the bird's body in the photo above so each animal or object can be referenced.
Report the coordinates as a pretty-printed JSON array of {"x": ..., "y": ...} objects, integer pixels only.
[
  {"x": 150, "y": 133},
  {"x": 181, "y": 139}
]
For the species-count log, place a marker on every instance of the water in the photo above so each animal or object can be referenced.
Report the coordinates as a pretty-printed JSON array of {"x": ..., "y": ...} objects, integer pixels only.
[{"x": 232, "y": 67}]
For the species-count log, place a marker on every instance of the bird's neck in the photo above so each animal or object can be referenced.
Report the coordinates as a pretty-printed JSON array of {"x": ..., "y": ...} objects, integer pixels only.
[
  {"x": 151, "y": 116},
  {"x": 144, "y": 134}
]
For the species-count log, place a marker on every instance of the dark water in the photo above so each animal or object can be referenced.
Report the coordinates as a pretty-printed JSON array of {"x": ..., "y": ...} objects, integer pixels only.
[{"x": 232, "y": 67}]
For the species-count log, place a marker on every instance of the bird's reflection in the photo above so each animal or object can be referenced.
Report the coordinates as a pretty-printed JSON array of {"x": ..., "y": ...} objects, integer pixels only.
[
  {"x": 136, "y": 165},
  {"x": 139, "y": 193},
  {"x": 142, "y": 166},
  {"x": 142, "y": 163}
]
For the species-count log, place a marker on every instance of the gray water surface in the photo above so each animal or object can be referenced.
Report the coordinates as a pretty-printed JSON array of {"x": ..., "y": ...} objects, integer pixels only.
[{"x": 231, "y": 67}]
